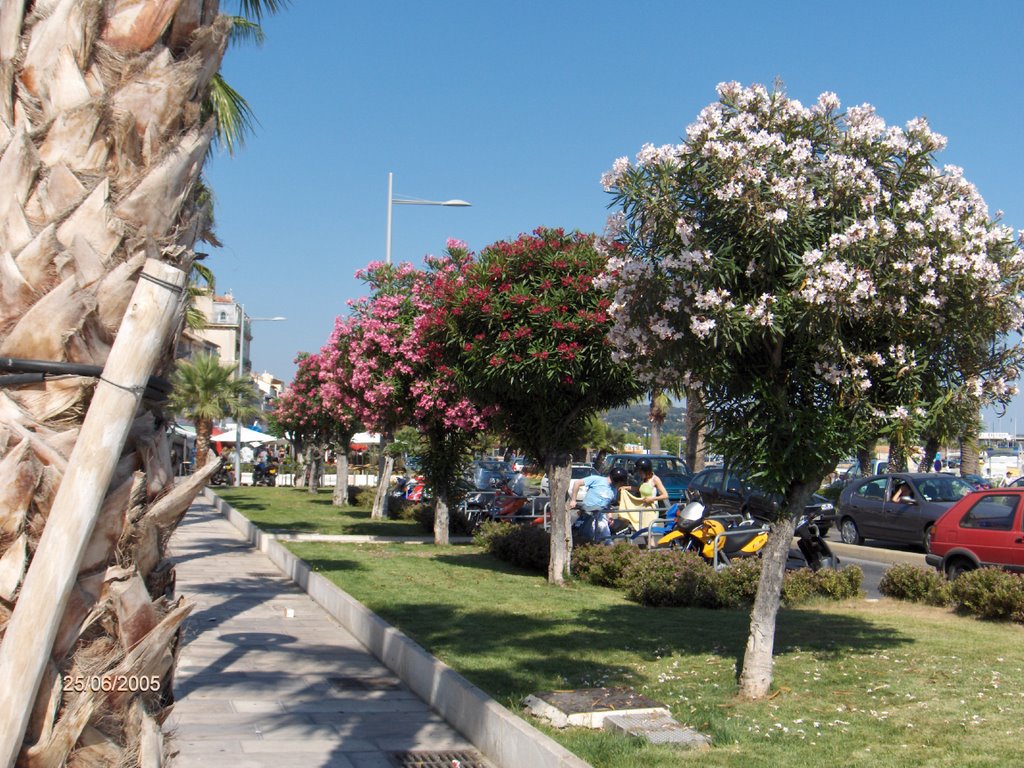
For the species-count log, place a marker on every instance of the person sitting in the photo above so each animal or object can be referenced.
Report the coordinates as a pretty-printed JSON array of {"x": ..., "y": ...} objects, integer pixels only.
[{"x": 901, "y": 493}]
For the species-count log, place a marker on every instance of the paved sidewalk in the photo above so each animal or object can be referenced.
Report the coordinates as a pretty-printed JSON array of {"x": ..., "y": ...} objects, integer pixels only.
[{"x": 267, "y": 678}]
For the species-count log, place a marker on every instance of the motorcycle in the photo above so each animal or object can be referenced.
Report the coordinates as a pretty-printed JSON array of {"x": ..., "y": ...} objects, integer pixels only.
[
  {"x": 719, "y": 539},
  {"x": 221, "y": 477},
  {"x": 265, "y": 475}
]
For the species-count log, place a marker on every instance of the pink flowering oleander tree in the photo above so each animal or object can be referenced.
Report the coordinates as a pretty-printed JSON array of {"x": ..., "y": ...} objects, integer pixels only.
[
  {"x": 315, "y": 422},
  {"x": 393, "y": 363},
  {"x": 527, "y": 334},
  {"x": 820, "y": 279}
]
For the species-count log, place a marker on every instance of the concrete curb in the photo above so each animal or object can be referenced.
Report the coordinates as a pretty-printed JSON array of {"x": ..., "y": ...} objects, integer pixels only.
[
  {"x": 504, "y": 738},
  {"x": 876, "y": 555}
]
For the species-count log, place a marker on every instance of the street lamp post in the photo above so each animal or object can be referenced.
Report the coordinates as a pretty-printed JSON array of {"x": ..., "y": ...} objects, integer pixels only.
[
  {"x": 241, "y": 372},
  {"x": 392, "y": 200}
]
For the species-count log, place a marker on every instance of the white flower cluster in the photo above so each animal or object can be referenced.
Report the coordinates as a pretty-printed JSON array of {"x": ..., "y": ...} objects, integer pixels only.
[{"x": 758, "y": 172}]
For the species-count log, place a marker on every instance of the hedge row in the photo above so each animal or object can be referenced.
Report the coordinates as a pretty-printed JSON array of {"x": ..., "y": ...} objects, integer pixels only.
[
  {"x": 664, "y": 577},
  {"x": 988, "y": 593}
]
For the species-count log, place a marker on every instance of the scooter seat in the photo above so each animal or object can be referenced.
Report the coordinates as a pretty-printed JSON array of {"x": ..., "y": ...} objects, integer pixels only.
[{"x": 734, "y": 542}]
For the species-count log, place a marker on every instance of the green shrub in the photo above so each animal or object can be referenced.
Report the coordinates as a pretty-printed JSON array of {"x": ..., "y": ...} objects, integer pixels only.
[
  {"x": 841, "y": 584},
  {"x": 989, "y": 593},
  {"x": 916, "y": 584},
  {"x": 669, "y": 578},
  {"x": 803, "y": 585},
  {"x": 736, "y": 586},
  {"x": 458, "y": 523},
  {"x": 527, "y": 546},
  {"x": 363, "y": 496},
  {"x": 603, "y": 566}
]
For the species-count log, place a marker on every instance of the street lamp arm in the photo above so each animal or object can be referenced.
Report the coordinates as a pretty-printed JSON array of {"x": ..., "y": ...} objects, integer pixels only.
[
  {"x": 449, "y": 203},
  {"x": 392, "y": 201}
]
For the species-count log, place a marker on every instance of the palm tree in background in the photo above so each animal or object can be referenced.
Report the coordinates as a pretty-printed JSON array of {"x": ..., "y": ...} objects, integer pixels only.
[
  {"x": 206, "y": 391},
  {"x": 108, "y": 109}
]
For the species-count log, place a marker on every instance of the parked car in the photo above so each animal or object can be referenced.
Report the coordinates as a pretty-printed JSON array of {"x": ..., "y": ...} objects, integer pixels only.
[
  {"x": 897, "y": 507},
  {"x": 980, "y": 483},
  {"x": 983, "y": 529},
  {"x": 674, "y": 473},
  {"x": 487, "y": 474},
  {"x": 578, "y": 472},
  {"x": 518, "y": 463},
  {"x": 731, "y": 491},
  {"x": 1016, "y": 483},
  {"x": 833, "y": 489}
]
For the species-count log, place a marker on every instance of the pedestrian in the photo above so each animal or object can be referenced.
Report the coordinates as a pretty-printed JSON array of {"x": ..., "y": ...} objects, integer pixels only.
[
  {"x": 651, "y": 489},
  {"x": 602, "y": 490}
]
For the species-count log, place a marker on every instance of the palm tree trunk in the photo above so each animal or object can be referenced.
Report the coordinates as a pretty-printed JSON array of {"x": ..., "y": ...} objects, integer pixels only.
[
  {"x": 100, "y": 145},
  {"x": 695, "y": 451},
  {"x": 931, "y": 448}
]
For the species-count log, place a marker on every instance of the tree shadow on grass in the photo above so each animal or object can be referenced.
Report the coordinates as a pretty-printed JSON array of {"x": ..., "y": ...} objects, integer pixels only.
[{"x": 510, "y": 654}]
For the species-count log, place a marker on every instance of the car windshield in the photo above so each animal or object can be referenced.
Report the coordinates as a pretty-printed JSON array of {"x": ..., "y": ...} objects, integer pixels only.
[
  {"x": 668, "y": 466},
  {"x": 494, "y": 466},
  {"x": 580, "y": 472},
  {"x": 943, "y": 488}
]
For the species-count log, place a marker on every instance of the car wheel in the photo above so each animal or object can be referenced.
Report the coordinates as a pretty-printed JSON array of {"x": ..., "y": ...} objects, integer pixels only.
[
  {"x": 926, "y": 540},
  {"x": 849, "y": 532},
  {"x": 957, "y": 566}
]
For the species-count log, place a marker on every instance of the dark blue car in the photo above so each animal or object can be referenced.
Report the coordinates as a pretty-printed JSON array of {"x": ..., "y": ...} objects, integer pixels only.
[{"x": 672, "y": 470}]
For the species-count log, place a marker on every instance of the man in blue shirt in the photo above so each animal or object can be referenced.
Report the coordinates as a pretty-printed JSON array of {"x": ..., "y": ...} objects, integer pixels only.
[{"x": 601, "y": 492}]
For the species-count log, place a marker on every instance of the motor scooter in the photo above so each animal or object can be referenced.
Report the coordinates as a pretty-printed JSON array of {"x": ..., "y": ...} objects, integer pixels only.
[
  {"x": 719, "y": 539},
  {"x": 812, "y": 545}
]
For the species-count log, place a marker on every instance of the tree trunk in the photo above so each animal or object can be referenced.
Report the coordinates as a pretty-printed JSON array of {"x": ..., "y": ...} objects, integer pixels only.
[
  {"x": 559, "y": 469},
  {"x": 897, "y": 455},
  {"x": 756, "y": 675},
  {"x": 695, "y": 417},
  {"x": 100, "y": 147},
  {"x": 380, "y": 500},
  {"x": 316, "y": 468},
  {"x": 441, "y": 519},
  {"x": 659, "y": 408},
  {"x": 73, "y": 516},
  {"x": 970, "y": 455},
  {"x": 203, "y": 429},
  {"x": 931, "y": 448},
  {"x": 385, "y": 466},
  {"x": 865, "y": 457},
  {"x": 340, "y": 498}
]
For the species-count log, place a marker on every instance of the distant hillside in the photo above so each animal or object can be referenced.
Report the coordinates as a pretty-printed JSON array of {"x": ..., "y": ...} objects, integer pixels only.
[{"x": 633, "y": 418}]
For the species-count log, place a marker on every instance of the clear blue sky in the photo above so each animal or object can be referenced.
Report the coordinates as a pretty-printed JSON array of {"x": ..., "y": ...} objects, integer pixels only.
[{"x": 520, "y": 107}]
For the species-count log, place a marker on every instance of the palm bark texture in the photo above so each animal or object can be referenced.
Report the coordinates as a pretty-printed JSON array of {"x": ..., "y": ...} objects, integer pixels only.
[{"x": 101, "y": 144}]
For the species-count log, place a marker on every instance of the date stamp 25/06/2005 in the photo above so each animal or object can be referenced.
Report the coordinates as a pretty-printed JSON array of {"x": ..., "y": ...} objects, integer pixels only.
[{"x": 110, "y": 683}]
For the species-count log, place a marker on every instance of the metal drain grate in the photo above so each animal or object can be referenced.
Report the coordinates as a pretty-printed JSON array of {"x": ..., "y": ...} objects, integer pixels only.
[
  {"x": 439, "y": 760},
  {"x": 351, "y": 682}
]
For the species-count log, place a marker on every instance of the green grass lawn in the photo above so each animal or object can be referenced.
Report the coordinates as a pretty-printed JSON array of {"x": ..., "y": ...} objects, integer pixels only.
[
  {"x": 857, "y": 683},
  {"x": 296, "y": 510}
]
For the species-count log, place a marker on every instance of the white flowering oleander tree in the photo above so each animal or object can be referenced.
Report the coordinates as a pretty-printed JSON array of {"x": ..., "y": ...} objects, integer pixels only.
[{"x": 820, "y": 279}]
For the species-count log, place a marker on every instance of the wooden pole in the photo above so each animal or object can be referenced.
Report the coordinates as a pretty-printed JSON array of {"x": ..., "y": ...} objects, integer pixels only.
[{"x": 30, "y": 633}]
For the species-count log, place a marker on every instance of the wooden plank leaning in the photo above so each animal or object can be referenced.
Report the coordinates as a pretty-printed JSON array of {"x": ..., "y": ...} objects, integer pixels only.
[{"x": 30, "y": 634}]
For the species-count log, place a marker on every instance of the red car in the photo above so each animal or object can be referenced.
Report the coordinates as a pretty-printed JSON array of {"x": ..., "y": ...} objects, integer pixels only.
[{"x": 985, "y": 528}]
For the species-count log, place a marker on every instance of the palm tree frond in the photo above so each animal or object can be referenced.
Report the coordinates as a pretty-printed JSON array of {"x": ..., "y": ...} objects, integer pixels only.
[
  {"x": 256, "y": 9},
  {"x": 245, "y": 31},
  {"x": 235, "y": 118}
]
